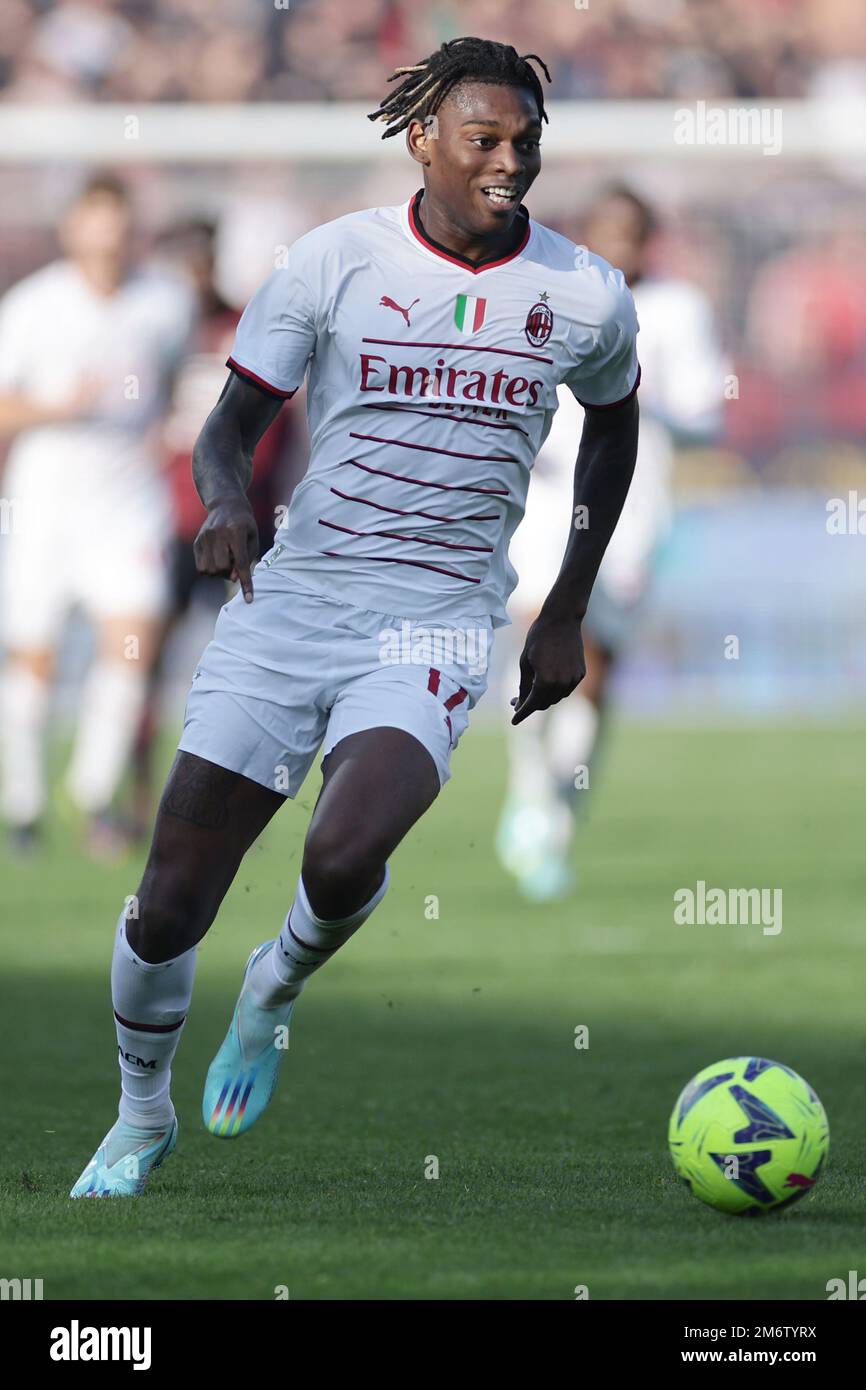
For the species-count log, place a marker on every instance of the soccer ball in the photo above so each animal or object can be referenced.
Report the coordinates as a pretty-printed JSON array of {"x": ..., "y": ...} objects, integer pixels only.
[{"x": 748, "y": 1136}]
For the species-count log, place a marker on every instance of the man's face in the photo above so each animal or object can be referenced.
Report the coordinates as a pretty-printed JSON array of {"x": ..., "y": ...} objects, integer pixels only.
[
  {"x": 614, "y": 231},
  {"x": 482, "y": 137},
  {"x": 97, "y": 233}
]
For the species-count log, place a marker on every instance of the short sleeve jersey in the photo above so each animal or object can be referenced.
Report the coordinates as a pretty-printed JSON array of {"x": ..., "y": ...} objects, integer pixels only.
[{"x": 431, "y": 387}]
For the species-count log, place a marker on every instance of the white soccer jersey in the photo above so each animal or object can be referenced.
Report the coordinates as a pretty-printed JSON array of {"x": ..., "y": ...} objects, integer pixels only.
[
  {"x": 415, "y": 514},
  {"x": 683, "y": 376},
  {"x": 57, "y": 333}
]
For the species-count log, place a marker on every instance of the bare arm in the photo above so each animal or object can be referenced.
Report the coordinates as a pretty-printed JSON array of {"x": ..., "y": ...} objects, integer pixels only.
[
  {"x": 552, "y": 663},
  {"x": 18, "y": 411},
  {"x": 222, "y": 469}
]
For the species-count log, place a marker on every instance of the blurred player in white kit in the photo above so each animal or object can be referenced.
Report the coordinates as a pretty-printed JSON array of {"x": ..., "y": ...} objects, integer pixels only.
[
  {"x": 683, "y": 373},
  {"x": 88, "y": 348}
]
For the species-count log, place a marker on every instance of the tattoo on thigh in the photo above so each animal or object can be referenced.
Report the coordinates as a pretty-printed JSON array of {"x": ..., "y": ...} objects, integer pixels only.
[{"x": 199, "y": 793}]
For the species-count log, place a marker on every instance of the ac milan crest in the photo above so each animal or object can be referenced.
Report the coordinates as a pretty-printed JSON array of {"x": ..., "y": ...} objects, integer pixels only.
[{"x": 539, "y": 322}]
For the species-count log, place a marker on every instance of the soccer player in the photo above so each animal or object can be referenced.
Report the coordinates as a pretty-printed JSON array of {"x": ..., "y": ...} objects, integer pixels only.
[
  {"x": 433, "y": 335},
  {"x": 198, "y": 381},
  {"x": 683, "y": 375},
  {"x": 88, "y": 349}
]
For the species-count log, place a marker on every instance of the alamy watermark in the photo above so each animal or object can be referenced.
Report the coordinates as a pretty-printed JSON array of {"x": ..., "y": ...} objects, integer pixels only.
[
  {"x": 415, "y": 645},
  {"x": 77, "y": 1343},
  {"x": 22, "y": 1290},
  {"x": 854, "y": 1287},
  {"x": 729, "y": 907},
  {"x": 760, "y": 126},
  {"x": 846, "y": 516}
]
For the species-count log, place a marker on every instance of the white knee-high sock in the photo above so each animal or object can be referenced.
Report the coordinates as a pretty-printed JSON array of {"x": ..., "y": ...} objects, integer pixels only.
[
  {"x": 112, "y": 701},
  {"x": 572, "y": 735},
  {"x": 529, "y": 774},
  {"x": 150, "y": 1007},
  {"x": 305, "y": 943},
  {"x": 22, "y": 720}
]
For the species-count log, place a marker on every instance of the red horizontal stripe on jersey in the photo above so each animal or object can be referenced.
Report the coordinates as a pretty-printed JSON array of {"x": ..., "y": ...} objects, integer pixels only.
[
  {"x": 460, "y": 347},
  {"x": 398, "y": 511},
  {"x": 456, "y": 699},
  {"x": 433, "y": 681},
  {"x": 395, "y": 536},
  {"x": 393, "y": 560},
  {"x": 259, "y": 380},
  {"x": 442, "y": 415},
  {"x": 430, "y": 449},
  {"x": 588, "y": 405},
  {"x": 426, "y": 482}
]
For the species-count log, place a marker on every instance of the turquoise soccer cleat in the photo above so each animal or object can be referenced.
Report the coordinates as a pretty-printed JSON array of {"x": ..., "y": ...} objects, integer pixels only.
[
  {"x": 124, "y": 1160},
  {"x": 243, "y": 1074},
  {"x": 552, "y": 880},
  {"x": 533, "y": 842}
]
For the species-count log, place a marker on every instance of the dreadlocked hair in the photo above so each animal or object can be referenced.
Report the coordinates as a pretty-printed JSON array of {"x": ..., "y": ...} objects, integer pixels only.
[{"x": 426, "y": 84}]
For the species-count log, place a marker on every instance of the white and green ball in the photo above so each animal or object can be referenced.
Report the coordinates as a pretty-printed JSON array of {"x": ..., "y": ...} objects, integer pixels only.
[{"x": 748, "y": 1135}]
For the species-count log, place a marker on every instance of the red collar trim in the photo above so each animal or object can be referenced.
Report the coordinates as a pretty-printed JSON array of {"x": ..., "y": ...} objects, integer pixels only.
[{"x": 438, "y": 249}]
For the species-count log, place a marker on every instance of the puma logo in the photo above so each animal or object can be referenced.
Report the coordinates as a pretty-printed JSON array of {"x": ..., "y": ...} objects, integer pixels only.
[{"x": 389, "y": 303}]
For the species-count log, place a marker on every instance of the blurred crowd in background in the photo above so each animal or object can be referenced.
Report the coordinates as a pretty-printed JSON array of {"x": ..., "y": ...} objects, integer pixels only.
[
  {"x": 783, "y": 263},
  {"x": 315, "y": 50},
  {"x": 778, "y": 245},
  {"x": 782, "y": 247}
]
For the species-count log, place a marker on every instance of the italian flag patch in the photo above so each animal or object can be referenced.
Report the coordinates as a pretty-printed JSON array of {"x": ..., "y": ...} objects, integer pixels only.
[{"x": 469, "y": 313}]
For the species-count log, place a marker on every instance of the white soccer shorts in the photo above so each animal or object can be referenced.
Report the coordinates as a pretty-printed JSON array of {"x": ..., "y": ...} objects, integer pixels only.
[{"x": 296, "y": 670}]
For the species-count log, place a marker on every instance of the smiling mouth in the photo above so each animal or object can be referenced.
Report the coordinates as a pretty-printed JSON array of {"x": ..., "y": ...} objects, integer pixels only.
[{"x": 501, "y": 196}]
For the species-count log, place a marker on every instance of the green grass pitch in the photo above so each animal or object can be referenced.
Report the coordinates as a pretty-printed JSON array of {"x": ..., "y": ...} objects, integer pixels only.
[{"x": 453, "y": 1037}]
